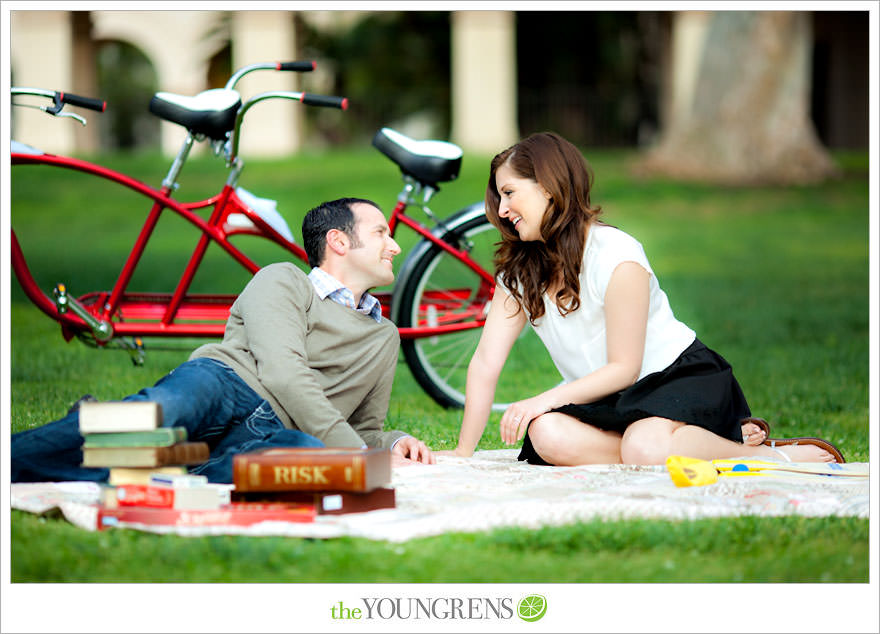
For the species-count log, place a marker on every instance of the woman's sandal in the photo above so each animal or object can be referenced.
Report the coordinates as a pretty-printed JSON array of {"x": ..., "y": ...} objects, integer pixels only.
[
  {"x": 773, "y": 442},
  {"x": 818, "y": 442}
]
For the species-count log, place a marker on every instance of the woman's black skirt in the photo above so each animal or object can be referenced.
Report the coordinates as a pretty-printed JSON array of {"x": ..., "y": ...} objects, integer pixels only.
[{"x": 698, "y": 388}]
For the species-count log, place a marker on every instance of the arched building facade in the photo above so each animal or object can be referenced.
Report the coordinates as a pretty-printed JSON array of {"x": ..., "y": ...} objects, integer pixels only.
[
  {"x": 55, "y": 50},
  {"x": 600, "y": 78}
]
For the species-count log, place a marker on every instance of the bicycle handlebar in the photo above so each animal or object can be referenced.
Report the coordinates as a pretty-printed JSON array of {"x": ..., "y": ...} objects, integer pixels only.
[
  {"x": 60, "y": 98},
  {"x": 312, "y": 100},
  {"x": 301, "y": 67},
  {"x": 325, "y": 101},
  {"x": 82, "y": 102}
]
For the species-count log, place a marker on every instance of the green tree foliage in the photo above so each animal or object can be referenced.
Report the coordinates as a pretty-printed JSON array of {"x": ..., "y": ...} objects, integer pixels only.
[
  {"x": 592, "y": 76},
  {"x": 391, "y": 66}
]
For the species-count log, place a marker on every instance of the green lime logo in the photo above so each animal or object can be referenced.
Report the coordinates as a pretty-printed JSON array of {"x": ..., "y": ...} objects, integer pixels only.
[{"x": 532, "y": 607}]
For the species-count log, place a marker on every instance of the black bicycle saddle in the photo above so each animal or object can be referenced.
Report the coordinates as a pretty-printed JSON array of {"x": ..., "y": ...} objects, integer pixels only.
[
  {"x": 211, "y": 112},
  {"x": 429, "y": 162}
]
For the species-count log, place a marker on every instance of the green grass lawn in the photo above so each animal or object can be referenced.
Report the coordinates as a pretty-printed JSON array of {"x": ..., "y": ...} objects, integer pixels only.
[{"x": 776, "y": 279}]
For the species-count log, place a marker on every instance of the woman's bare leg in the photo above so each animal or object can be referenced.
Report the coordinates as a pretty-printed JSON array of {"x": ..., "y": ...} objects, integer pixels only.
[
  {"x": 565, "y": 441},
  {"x": 652, "y": 440}
]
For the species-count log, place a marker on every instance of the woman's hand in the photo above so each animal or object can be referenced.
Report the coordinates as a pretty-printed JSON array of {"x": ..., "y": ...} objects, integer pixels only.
[{"x": 517, "y": 417}]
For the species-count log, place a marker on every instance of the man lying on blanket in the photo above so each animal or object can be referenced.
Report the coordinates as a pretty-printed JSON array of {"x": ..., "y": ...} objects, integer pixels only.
[{"x": 306, "y": 360}]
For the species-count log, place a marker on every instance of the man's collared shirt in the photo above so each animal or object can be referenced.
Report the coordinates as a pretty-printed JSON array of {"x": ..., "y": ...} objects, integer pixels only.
[{"x": 328, "y": 286}]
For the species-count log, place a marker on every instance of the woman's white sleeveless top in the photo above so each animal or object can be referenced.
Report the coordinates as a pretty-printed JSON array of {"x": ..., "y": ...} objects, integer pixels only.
[{"x": 576, "y": 341}]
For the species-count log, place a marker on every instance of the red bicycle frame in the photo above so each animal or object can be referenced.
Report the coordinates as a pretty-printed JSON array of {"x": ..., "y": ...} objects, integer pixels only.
[
  {"x": 441, "y": 287},
  {"x": 398, "y": 216},
  {"x": 180, "y": 314}
]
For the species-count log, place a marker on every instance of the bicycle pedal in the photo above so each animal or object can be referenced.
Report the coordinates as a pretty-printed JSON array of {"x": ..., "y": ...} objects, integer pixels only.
[
  {"x": 61, "y": 299},
  {"x": 135, "y": 348},
  {"x": 101, "y": 330}
]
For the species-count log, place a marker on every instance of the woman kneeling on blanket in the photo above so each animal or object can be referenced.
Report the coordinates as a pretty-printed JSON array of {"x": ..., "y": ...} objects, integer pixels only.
[{"x": 639, "y": 386}]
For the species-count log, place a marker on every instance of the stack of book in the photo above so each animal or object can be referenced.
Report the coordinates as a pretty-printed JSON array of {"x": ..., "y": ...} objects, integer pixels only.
[
  {"x": 149, "y": 483},
  {"x": 188, "y": 500},
  {"x": 333, "y": 480},
  {"x": 127, "y": 437}
]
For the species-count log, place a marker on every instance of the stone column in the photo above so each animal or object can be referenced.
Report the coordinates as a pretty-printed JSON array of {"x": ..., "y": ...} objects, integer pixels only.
[
  {"x": 41, "y": 45},
  {"x": 85, "y": 79},
  {"x": 273, "y": 127},
  {"x": 178, "y": 43},
  {"x": 484, "y": 104}
]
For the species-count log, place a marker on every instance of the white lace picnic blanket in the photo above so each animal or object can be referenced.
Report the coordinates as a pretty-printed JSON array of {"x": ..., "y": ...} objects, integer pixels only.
[{"x": 494, "y": 490}]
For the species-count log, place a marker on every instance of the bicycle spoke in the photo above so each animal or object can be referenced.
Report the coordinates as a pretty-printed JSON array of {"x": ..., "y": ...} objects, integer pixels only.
[
  {"x": 461, "y": 357},
  {"x": 436, "y": 350},
  {"x": 444, "y": 291}
]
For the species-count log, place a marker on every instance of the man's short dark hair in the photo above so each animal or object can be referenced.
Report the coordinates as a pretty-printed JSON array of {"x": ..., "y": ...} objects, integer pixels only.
[{"x": 334, "y": 214}]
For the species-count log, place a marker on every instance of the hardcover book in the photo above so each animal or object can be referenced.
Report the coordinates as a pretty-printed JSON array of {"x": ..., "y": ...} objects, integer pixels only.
[
  {"x": 312, "y": 469},
  {"x": 179, "y": 481},
  {"x": 141, "y": 475},
  {"x": 179, "y": 454},
  {"x": 162, "y": 437},
  {"x": 233, "y": 514},
  {"x": 208, "y": 496},
  {"x": 326, "y": 502},
  {"x": 98, "y": 417}
]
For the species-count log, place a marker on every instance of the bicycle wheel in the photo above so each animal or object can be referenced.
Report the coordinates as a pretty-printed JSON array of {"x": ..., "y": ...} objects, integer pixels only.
[{"x": 441, "y": 289}]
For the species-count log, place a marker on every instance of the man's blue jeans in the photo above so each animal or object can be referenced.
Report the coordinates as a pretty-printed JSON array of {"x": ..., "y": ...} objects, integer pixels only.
[{"x": 203, "y": 395}]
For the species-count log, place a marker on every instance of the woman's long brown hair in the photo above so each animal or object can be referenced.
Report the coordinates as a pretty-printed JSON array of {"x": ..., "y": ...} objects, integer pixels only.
[{"x": 533, "y": 267}]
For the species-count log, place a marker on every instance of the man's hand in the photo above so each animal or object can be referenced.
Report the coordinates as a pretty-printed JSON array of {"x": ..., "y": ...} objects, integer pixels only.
[{"x": 409, "y": 449}]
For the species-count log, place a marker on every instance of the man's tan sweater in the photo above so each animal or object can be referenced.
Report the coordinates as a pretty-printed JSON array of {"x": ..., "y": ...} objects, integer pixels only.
[{"x": 324, "y": 368}]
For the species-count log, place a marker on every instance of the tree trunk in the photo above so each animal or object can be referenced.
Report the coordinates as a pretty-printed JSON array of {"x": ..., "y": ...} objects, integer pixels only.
[{"x": 740, "y": 94}]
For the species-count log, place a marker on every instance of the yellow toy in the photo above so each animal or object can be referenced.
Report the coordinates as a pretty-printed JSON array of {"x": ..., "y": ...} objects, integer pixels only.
[
  {"x": 687, "y": 472},
  {"x": 690, "y": 472}
]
